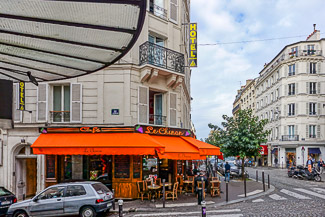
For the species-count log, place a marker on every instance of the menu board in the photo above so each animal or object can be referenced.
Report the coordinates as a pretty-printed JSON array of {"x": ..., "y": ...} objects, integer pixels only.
[
  {"x": 50, "y": 166},
  {"x": 179, "y": 167},
  {"x": 136, "y": 166},
  {"x": 122, "y": 166}
]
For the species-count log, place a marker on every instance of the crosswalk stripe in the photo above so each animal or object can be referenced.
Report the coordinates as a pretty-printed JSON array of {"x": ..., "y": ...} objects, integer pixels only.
[
  {"x": 319, "y": 190},
  {"x": 191, "y": 213},
  {"x": 293, "y": 194},
  {"x": 277, "y": 197},
  {"x": 311, "y": 193}
]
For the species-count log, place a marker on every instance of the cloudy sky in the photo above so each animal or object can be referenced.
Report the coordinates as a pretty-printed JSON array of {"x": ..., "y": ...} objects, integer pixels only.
[{"x": 221, "y": 68}]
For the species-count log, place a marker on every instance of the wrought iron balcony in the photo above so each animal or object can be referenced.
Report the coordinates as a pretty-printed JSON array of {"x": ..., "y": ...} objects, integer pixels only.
[
  {"x": 290, "y": 138},
  {"x": 59, "y": 116},
  {"x": 157, "y": 119},
  {"x": 312, "y": 136},
  {"x": 150, "y": 53},
  {"x": 158, "y": 11}
]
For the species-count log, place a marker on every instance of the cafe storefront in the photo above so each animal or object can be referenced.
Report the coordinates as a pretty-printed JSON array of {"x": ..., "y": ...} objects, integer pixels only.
[{"x": 118, "y": 157}]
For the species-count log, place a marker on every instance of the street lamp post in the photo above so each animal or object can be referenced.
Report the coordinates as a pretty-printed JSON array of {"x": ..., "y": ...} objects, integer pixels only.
[{"x": 303, "y": 155}]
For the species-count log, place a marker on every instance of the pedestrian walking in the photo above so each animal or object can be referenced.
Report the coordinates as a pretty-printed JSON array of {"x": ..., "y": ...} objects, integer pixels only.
[
  {"x": 309, "y": 164},
  {"x": 276, "y": 162},
  {"x": 321, "y": 165},
  {"x": 227, "y": 172}
]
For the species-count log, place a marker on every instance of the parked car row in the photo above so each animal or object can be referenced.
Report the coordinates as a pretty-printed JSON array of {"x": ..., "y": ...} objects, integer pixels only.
[
  {"x": 6, "y": 199},
  {"x": 85, "y": 199}
]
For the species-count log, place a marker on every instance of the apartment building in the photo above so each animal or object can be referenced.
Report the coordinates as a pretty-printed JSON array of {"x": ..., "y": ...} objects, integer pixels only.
[
  {"x": 290, "y": 93},
  {"x": 245, "y": 98},
  {"x": 150, "y": 85}
]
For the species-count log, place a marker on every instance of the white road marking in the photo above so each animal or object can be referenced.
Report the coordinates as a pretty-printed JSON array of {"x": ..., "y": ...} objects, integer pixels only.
[
  {"x": 251, "y": 193},
  {"x": 258, "y": 200},
  {"x": 311, "y": 193},
  {"x": 181, "y": 204},
  {"x": 277, "y": 197},
  {"x": 192, "y": 213},
  {"x": 319, "y": 190},
  {"x": 293, "y": 194}
]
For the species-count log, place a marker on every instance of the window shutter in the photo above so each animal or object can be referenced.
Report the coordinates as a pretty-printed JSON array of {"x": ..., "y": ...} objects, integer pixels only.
[
  {"x": 17, "y": 113},
  {"x": 286, "y": 111},
  {"x": 318, "y": 109},
  {"x": 296, "y": 89},
  {"x": 318, "y": 131},
  {"x": 307, "y": 87},
  {"x": 307, "y": 67},
  {"x": 296, "y": 109},
  {"x": 296, "y": 130},
  {"x": 42, "y": 94},
  {"x": 174, "y": 10},
  {"x": 307, "y": 108},
  {"x": 143, "y": 102},
  {"x": 318, "y": 87},
  {"x": 173, "y": 109},
  {"x": 286, "y": 91},
  {"x": 297, "y": 67},
  {"x": 76, "y": 103},
  {"x": 319, "y": 68},
  {"x": 285, "y": 130},
  {"x": 307, "y": 133}
]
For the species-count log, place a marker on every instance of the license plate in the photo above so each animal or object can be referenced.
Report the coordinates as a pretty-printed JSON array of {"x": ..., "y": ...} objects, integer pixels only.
[{"x": 5, "y": 202}]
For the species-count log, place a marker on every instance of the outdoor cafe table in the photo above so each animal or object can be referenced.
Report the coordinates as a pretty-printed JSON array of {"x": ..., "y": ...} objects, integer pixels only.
[
  {"x": 154, "y": 189},
  {"x": 189, "y": 182},
  {"x": 166, "y": 184}
]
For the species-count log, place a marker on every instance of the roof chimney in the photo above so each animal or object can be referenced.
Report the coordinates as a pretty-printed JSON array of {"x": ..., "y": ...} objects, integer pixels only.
[
  {"x": 314, "y": 26},
  {"x": 315, "y": 35}
]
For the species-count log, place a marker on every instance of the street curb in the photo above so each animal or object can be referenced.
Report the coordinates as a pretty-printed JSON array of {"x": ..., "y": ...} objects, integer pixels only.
[{"x": 272, "y": 188}]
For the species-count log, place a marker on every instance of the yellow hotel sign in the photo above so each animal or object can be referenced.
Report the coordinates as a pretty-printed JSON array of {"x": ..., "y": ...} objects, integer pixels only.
[
  {"x": 22, "y": 96},
  {"x": 193, "y": 45}
]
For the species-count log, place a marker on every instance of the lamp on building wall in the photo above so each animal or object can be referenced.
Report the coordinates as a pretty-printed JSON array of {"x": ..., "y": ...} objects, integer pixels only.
[{"x": 23, "y": 142}]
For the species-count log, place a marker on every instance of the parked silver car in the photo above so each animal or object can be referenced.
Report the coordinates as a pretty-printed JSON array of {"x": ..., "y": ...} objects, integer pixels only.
[{"x": 85, "y": 199}]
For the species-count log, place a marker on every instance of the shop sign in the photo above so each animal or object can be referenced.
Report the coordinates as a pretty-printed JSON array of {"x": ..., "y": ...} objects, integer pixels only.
[
  {"x": 263, "y": 150},
  {"x": 193, "y": 45},
  {"x": 87, "y": 130},
  {"x": 162, "y": 131},
  {"x": 22, "y": 96},
  {"x": 115, "y": 111}
]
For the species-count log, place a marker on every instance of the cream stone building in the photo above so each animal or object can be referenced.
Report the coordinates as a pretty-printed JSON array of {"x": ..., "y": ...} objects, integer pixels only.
[
  {"x": 290, "y": 93},
  {"x": 150, "y": 85},
  {"x": 245, "y": 98}
]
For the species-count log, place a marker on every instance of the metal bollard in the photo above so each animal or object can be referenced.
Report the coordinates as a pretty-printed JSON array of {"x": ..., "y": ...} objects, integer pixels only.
[
  {"x": 226, "y": 191},
  {"x": 204, "y": 211},
  {"x": 256, "y": 175},
  {"x": 24, "y": 196},
  {"x": 263, "y": 181},
  {"x": 164, "y": 188},
  {"x": 282, "y": 165},
  {"x": 113, "y": 202},
  {"x": 268, "y": 181},
  {"x": 203, "y": 189},
  {"x": 245, "y": 187},
  {"x": 120, "y": 208}
]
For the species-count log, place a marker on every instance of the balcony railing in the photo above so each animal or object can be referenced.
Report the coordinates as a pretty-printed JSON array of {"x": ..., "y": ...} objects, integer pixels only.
[
  {"x": 158, "y": 11},
  {"x": 157, "y": 119},
  {"x": 312, "y": 136},
  {"x": 150, "y": 53},
  {"x": 60, "y": 116},
  {"x": 290, "y": 138}
]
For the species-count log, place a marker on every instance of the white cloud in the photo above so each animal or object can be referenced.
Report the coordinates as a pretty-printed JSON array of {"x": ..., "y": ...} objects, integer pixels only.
[{"x": 215, "y": 82}]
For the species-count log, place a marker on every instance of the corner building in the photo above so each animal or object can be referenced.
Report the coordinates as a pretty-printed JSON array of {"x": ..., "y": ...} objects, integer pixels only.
[
  {"x": 290, "y": 93},
  {"x": 149, "y": 86}
]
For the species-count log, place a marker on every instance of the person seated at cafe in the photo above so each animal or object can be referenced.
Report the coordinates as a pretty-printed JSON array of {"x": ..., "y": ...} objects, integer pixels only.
[
  {"x": 190, "y": 172},
  {"x": 195, "y": 171},
  {"x": 199, "y": 178}
]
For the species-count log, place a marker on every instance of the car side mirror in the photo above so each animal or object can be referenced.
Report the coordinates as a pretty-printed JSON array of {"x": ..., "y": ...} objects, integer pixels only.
[{"x": 35, "y": 199}]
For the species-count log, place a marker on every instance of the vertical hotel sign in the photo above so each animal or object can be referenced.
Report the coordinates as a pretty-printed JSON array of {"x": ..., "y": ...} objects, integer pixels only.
[
  {"x": 21, "y": 96},
  {"x": 193, "y": 45}
]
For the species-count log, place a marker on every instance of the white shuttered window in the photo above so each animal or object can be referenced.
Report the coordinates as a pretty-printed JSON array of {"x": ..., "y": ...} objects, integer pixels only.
[
  {"x": 172, "y": 109},
  {"x": 174, "y": 10},
  {"x": 143, "y": 101},
  {"x": 76, "y": 103},
  {"x": 42, "y": 99}
]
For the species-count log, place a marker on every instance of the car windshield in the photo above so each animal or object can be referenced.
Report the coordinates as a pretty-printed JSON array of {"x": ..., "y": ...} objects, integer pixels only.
[
  {"x": 4, "y": 192},
  {"x": 232, "y": 165},
  {"x": 100, "y": 188}
]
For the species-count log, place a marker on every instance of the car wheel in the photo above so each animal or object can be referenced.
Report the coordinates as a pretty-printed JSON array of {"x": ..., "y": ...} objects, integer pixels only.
[
  {"x": 87, "y": 211},
  {"x": 20, "y": 214}
]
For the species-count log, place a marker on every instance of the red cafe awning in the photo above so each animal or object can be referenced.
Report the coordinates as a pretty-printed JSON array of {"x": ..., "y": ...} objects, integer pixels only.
[
  {"x": 203, "y": 147},
  {"x": 177, "y": 149},
  {"x": 96, "y": 144}
]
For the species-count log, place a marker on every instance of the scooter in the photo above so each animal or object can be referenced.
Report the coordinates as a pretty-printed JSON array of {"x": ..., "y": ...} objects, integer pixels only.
[
  {"x": 313, "y": 175},
  {"x": 293, "y": 172}
]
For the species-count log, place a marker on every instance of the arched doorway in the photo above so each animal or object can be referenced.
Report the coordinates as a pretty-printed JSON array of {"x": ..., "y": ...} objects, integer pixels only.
[{"x": 26, "y": 172}]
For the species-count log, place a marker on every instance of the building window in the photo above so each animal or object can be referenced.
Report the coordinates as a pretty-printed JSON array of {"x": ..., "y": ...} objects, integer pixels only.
[
  {"x": 310, "y": 49},
  {"x": 312, "y": 131},
  {"x": 156, "y": 7},
  {"x": 61, "y": 103},
  {"x": 291, "y": 109},
  {"x": 312, "y": 88},
  {"x": 292, "y": 70},
  {"x": 276, "y": 133},
  {"x": 312, "y": 108},
  {"x": 291, "y": 89},
  {"x": 294, "y": 52},
  {"x": 312, "y": 68},
  {"x": 291, "y": 129}
]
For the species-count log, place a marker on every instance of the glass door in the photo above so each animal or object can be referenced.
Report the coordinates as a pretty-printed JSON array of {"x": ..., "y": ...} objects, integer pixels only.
[{"x": 158, "y": 109}]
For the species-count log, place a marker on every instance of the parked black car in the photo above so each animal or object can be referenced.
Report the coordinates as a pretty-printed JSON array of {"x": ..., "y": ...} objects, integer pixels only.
[{"x": 6, "y": 199}]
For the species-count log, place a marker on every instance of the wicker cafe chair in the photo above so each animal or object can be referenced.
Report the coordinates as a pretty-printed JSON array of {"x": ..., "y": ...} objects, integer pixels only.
[
  {"x": 199, "y": 187},
  {"x": 215, "y": 189},
  {"x": 142, "y": 190},
  {"x": 179, "y": 179},
  {"x": 190, "y": 187},
  {"x": 172, "y": 193}
]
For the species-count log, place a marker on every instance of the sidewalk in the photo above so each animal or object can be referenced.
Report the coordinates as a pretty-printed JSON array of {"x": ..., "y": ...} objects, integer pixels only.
[{"x": 235, "y": 194}]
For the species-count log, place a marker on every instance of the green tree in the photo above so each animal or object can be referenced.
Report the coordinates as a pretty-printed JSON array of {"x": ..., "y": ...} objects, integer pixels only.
[{"x": 242, "y": 135}]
